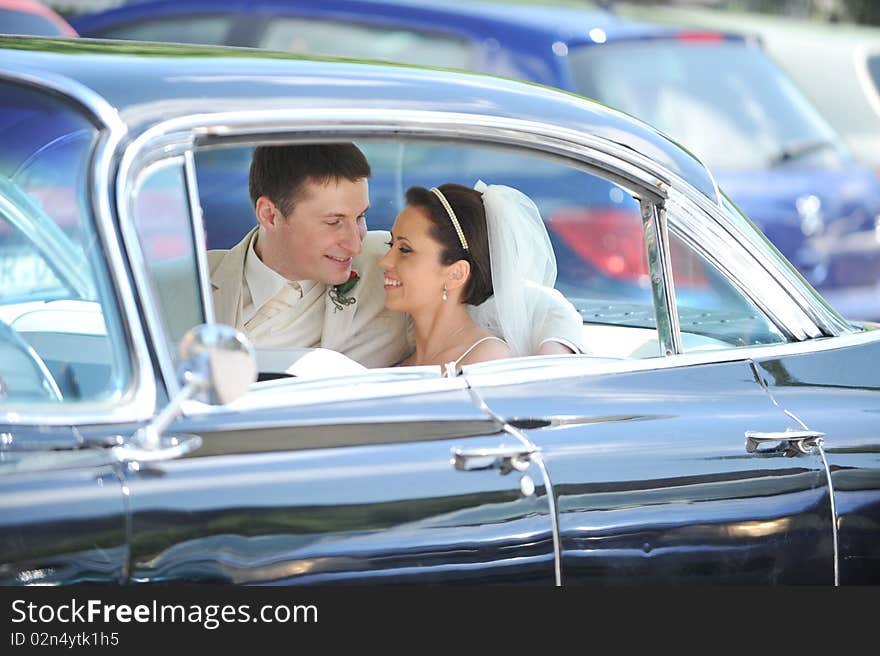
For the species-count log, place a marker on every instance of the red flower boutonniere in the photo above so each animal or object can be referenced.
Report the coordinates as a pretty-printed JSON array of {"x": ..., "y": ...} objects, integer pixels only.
[{"x": 338, "y": 293}]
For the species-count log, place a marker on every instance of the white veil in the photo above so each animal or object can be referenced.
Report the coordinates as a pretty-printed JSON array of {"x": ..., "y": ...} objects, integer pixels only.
[{"x": 523, "y": 269}]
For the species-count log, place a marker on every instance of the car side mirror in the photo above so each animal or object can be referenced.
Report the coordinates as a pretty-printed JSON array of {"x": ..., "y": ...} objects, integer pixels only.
[
  {"x": 217, "y": 366},
  {"x": 217, "y": 362}
]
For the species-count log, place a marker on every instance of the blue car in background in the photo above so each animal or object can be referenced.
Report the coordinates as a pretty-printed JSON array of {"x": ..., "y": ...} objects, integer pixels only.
[{"x": 718, "y": 94}]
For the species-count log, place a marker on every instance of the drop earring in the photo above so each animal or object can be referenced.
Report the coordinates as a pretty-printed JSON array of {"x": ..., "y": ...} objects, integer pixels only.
[{"x": 445, "y": 295}]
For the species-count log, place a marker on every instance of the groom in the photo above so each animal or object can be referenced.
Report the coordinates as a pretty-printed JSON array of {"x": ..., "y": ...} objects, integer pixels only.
[{"x": 308, "y": 274}]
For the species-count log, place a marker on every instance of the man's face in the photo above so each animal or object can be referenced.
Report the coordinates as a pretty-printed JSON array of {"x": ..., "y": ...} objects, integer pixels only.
[{"x": 322, "y": 234}]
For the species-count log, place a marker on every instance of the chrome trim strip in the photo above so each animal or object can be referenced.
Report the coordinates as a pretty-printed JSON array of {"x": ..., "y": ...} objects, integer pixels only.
[
  {"x": 632, "y": 166},
  {"x": 789, "y": 282},
  {"x": 512, "y": 371},
  {"x": 662, "y": 284},
  {"x": 199, "y": 236},
  {"x": 834, "y": 536},
  {"x": 548, "y": 485},
  {"x": 860, "y": 55},
  {"x": 833, "y": 515},
  {"x": 298, "y": 392},
  {"x": 126, "y": 186},
  {"x": 138, "y": 403},
  {"x": 102, "y": 111},
  {"x": 737, "y": 265},
  {"x": 659, "y": 213}
]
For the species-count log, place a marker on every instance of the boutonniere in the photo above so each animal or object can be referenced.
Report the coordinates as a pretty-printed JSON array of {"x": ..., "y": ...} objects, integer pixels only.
[{"x": 338, "y": 293}]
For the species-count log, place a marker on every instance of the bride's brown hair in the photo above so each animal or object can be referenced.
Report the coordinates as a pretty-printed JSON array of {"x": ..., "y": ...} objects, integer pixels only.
[{"x": 467, "y": 204}]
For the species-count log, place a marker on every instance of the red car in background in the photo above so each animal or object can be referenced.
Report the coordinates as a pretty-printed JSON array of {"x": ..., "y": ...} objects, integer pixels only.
[{"x": 32, "y": 17}]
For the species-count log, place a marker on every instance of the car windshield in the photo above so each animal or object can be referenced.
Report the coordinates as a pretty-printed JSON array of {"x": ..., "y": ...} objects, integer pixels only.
[
  {"x": 61, "y": 340},
  {"x": 723, "y": 99}
]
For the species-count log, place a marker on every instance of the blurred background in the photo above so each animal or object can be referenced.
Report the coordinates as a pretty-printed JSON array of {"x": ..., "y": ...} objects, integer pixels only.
[{"x": 854, "y": 11}]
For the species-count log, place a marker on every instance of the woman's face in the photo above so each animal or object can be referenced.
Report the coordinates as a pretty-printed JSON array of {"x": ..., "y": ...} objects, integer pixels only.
[{"x": 414, "y": 276}]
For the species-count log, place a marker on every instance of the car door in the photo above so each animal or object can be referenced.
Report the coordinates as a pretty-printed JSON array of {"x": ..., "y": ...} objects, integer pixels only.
[
  {"x": 354, "y": 477},
  {"x": 654, "y": 484},
  {"x": 323, "y": 485},
  {"x": 62, "y": 513},
  {"x": 833, "y": 390},
  {"x": 680, "y": 466}
]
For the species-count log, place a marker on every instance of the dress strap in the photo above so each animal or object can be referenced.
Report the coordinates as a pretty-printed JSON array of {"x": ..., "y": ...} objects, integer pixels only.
[{"x": 452, "y": 367}]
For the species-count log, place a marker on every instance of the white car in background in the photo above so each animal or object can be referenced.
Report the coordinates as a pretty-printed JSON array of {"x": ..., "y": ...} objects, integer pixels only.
[{"x": 837, "y": 65}]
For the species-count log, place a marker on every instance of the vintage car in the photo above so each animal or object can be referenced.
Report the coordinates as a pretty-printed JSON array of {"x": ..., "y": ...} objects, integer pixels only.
[{"x": 723, "y": 428}]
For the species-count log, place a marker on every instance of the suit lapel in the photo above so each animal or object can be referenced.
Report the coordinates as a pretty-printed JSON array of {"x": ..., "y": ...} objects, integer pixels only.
[{"x": 227, "y": 280}]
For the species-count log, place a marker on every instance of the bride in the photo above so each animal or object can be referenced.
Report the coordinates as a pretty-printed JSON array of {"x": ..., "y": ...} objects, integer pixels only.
[{"x": 475, "y": 269}]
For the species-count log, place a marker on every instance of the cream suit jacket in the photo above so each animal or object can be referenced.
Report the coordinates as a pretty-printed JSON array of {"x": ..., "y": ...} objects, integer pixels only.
[{"x": 364, "y": 331}]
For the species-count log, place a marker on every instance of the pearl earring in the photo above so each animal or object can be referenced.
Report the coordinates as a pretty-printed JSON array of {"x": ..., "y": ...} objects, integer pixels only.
[{"x": 445, "y": 295}]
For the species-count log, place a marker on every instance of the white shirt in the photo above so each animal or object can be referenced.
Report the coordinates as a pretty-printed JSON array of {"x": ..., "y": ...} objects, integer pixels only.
[{"x": 263, "y": 283}]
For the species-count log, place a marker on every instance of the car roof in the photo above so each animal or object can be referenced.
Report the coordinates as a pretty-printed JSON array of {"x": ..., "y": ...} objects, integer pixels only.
[{"x": 181, "y": 80}]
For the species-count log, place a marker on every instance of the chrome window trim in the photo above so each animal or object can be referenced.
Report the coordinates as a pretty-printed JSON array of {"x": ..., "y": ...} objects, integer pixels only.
[
  {"x": 139, "y": 401},
  {"x": 500, "y": 373},
  {"x": 126, "y": 188},
  {"x": 199, "y": 236},
  {"x": 647, "y": 179},
  {"x": 145, "y": 152},
  {"x": 344, "y": 388},
  {"x": 382, "y": 383},
  {"x": 737, "y": 264},
  {"x": 660, "y": 271},
  {"x": 178, "y": 136},
  {"x": 826, "y": 322},
  {"x": 553, "y": 139}
]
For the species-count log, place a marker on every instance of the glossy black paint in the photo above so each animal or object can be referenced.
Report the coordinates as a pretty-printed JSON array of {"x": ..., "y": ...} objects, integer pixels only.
[
  {"x": 62, "y": 518},
  {"x": 326, "y": 501},
  {"x": 847, "y": 410},
  {"x": 653, "y": 483}
]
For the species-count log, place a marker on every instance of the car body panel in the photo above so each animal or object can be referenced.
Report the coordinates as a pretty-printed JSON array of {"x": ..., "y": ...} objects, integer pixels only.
[
  {"x": 670, "y": 493},
  {"x": 63, "y": 515},
  {"x": 798, "y": 383}
]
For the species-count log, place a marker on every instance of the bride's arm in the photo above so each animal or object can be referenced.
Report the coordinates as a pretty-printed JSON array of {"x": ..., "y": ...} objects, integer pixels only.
[{"x": 561, "y": 333}]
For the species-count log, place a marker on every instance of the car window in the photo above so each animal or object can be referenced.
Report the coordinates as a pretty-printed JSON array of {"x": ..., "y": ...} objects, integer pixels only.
[
  {"x": 724, "y": 100},
  {"x": 210, "y": 30},
  {"x": 594, "y": 225},
  {"x": 61, "y": 338},
  {"x": 338, "y": 39},
  {"x": 712, "y": 313},
  {"x": 166, "y": 231}
]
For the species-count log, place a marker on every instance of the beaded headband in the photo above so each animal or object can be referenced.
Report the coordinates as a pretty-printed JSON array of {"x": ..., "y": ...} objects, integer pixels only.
[{"x": 452, "y": 217}]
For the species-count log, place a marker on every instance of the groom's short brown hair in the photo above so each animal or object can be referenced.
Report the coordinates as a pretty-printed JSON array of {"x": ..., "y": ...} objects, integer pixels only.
[{"x": 279, "y": 172}]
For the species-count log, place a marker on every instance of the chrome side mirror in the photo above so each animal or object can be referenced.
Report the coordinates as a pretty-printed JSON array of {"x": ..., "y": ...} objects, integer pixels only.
[{"x": 218, "y": 364}]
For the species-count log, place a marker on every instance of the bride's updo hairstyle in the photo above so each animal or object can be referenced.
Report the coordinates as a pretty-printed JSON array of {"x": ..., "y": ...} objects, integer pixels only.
[{"x": 467, "y": 205}]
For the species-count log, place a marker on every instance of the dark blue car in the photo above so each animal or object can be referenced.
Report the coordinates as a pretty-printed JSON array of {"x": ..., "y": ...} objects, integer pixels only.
[{"x": 717, "y": 94}]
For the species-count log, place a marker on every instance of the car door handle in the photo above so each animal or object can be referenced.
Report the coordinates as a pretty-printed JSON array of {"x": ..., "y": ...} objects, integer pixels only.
[
  {"x": 805, "y": 441},
  {"x": 504, "y": 458}
]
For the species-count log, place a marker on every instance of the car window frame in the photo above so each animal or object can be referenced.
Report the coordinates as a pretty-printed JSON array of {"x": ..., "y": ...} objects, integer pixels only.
[
  {"x": 138, "y": 401},
  {"x": 634, "y": 172}
]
